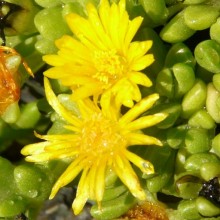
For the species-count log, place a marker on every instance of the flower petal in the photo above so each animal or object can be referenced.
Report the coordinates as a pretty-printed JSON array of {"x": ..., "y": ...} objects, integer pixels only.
[
  {"x": 114, "y": 25},
  {"x": 142, "y": 139},
  {"x": 36, "y": 148},
  {"x": 146, "y": 121},
  {"x": 138, "y": 49},
  {"x": 139, "y": 78},
  {"x": 142, "y": 62},
  {"x": 104, "y": 14},
  {"x": 86, "y": 91},
  {"x": 77, "y": 48},
  {"x": 84, "y": 31},
  {"x": 78, "y": 80},
  {"x": 144, "y": 165},
  {"x": 125, "y": 92},
  {"x": 82, "y": 194},
  {"x": 56, "y": 137},
  {"x": 51, "y": 155},
  {"x": 138, "y": 109},
  {"x": 87, "y": 108},
  {"x": 108, "y": 106},
  {"x": 98, "y": 27},
  {"x": 132, "y": 30},
  {"x": 127, "y": 175},
  {"x": 92, "y": 180},
  {"x": 69, "y": 174},
  {"x": 54, "y": 102},
  {"x": 100, "y": 179},
  {"x": 124, "y": 24},
  {"x": 53, "y": 60}
]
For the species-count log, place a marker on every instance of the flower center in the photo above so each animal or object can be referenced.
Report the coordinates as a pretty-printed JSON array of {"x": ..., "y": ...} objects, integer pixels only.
[
  {"x": 100, "y": 135},
  {"x": 110, "y": 66}
]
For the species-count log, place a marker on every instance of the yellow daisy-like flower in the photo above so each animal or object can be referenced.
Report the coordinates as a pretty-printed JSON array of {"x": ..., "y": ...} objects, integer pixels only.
[
  {"x": 99, "y": 140},
  {"x": 101, "y": 57}
]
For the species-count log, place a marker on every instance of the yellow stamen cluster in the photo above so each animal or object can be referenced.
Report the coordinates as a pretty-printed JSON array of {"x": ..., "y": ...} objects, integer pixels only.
[
  {"x": 102, "y": 62},
  {"x": 110, "y": 67}
]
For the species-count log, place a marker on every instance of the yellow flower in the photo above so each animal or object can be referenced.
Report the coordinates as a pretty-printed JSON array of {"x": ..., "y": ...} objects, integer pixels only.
[
  {"x": 101, "y": 57},
  {"x": 99, "y": 141}
]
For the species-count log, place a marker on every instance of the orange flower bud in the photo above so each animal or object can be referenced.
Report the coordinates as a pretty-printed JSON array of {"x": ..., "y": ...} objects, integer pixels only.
[{"x": 9, "y": 76}]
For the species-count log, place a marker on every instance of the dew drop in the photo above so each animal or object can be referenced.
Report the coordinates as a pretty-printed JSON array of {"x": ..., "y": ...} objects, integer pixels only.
[
  {"x": 145, "y": 165},
  {"x": 11, "y": 202},
  {"x": 20, "y": 198},
  {"x": 33, "y": 193}
]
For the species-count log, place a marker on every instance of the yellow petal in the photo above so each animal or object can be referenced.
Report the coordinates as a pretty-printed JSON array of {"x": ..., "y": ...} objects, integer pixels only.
[
  {"x": 56, "y": 137},
  {"x": 126, "y": 92},
  {"x": 53, "y": 60},
  {"x": 75, "y": 46},
  {"x": 127, "y": 175},
  {"x": 104, "y": 14},
  {"x": 51, "y": 155},
  {"x": 139, "y": 108},
  {"x": 70, "y": 145},
  {"x": 54, "y": 102},
  {"x": 35, "y": 148},
  {"x": 144, "y": 165},
  {"x": 139, "y": 78},
  {"x": 87, "y": 108},
  {"x": 138, "y": 49},
  {"x": 69, "y": 174},
  {"x": 86, "y": 91},
  {"x": 92, "y": 180},
  {"x": 108, "y": 107},
  {"x": 132, "y": 30},
  {"x": 124, "y": 21},
  {"x": 114, "y": 25},
  {"x": 70, "y": 56},
  {"x": 78, "y": 80},
  {"x": 142, "y": 62},
  {"x": 122, "y": 7},
  {"x": 146, "y": 121},
  {"x": 84, "y": 31},
  {"x": 98, "y": 27},
  {"x": 54, "y": 72},
  {"x": 70, "y": 71},
  {"x": 100, "y": 179},
  {"x": 82, "y": 194},
  {"x": 142, "y": 139}
]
